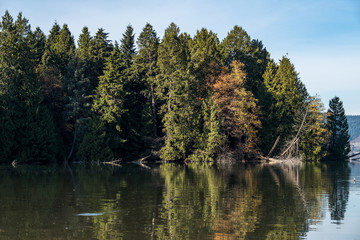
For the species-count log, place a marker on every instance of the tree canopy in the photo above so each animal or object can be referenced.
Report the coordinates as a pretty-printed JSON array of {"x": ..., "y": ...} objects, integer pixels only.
[{"x": 176, "y": 98}]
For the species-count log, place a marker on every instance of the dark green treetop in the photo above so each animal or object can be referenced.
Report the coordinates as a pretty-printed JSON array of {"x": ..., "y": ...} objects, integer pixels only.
[
  {"x": 127, "y": 46},
  {"x": 339, "y": 145}
]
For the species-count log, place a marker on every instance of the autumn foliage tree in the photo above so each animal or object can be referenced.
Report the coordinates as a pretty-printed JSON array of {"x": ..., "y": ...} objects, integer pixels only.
[{"x": 238, "y": 109}]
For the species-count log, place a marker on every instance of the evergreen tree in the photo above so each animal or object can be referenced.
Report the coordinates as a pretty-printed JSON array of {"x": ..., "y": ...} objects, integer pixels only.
[
  {"x": 78, "y": 92},
  {"x": 205, "y": 50},
  {"x": 239, "y": 46},
  {"x": 314, "y": 136},
  {"x": 27, "y": 131},
  {"x": 38, "y": 40},
  {"x": 175, "y": 89},
  {"x": 101, "y": 49},
  {"x": 205, "y": 63},
  {"x": 59, "y": 50},
  {"x": 145, "y": 67},
  {"x": 85, "y": 45},
  {"x": 127, "y": 46},
  {"x": 339, "y": 144},
  {"x": 96, "y": 144},
  {"x": 288, "y": 94},
  {"x": 108, "y": 106}
]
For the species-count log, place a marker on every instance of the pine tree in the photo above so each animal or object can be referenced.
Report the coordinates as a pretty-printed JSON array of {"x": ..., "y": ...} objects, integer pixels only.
[
  {"x": 85, "y": 45},
  {"x": 145, "y": 67},
  {"x": 108, "y": 107},
  {"x": 339, "y": 144},
  {"x": 27, "y": 131},
  {"x": 239, "y": 46},
  {"x": 287, "y": 95},
  {"x": 109, "y": 94},
  {"x": 38, "y": 41},
  {"x": 175, "y": 89},
  {"x": 314, "y": 135},
  {"x": 205, "y": 63},
  {"x": 101, "y": 50},
  {"x": 127, "y": 46},
  {"x": 59, "y": 50}
]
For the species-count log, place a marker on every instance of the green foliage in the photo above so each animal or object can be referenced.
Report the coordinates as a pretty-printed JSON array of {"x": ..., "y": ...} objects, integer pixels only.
[
  {"x": 96, "y": 144},
  {"x": 179, "y": 93},
  {"x": 239, "y": 46},
  {"x": 109, "y": 94},
  {"x": 315, "y": 136},
  {"x": 127, "y": 46},
  {"x": 339, "y": 145},
  {"x": 27, "y": 131},
  {"x": 288, "y": 94},
  {"x": 175, "y": 89},
  {"x": 145, "y": 68}
]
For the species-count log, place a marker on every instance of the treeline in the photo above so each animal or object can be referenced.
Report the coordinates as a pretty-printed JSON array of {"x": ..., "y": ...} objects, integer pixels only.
[{"x": 178, "y": 98}]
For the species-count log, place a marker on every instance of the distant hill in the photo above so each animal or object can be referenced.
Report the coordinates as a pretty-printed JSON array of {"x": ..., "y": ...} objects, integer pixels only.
[
  {"x": 354, "y": 126},
  {"x": 355, "y": 145}
]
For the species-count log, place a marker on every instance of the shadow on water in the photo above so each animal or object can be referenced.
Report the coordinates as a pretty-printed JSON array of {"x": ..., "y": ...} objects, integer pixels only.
[{"x": 169, "y": 201}]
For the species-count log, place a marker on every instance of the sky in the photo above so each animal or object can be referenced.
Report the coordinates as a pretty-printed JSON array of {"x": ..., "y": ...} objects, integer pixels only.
[{"x": 321, "y": 37}]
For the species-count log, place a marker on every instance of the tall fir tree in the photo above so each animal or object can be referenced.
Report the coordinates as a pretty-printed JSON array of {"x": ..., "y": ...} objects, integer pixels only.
[
  {"x": 288, "y": 94},
  {"x": 206, "y": 59},
  {"x": 145, "y": 67},
  {"x": 339, "y": 144},
  {"x": 101, "y": 49},
  {"x": 59, "y": 50},
  {"x": 175, "y": 89},
  {"x": 105, "y": 126},
  {"x": 133, "y": 100},
  {"x": 27, "y": 132},
  {"x": 314, "y": 135},
  {"x": 239, "y": 46},
  {"x": 127, "y": 45}
]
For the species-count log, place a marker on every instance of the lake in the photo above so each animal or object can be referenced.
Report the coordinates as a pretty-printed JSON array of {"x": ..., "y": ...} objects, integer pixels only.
[{"x": 169, "y": 201}]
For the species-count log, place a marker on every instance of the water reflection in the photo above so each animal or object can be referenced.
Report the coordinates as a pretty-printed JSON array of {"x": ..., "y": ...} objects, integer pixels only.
[{"x": 170, "y": 201}]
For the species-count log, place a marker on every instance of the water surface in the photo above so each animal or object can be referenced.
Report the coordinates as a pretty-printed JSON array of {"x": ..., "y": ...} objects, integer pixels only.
[{"x": 241, "y": 201}]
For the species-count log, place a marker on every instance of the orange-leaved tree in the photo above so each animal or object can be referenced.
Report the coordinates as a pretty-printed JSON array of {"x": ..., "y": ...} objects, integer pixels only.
[{"x": 238, "y": 109}]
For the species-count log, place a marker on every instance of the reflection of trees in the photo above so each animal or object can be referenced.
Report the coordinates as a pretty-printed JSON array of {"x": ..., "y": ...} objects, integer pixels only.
[
  {"x": 171, "y": 202},
  {"x": 241, "y": 204},
  {"x": 338, "y": 190},
  {"x": 190, "y": 202}
]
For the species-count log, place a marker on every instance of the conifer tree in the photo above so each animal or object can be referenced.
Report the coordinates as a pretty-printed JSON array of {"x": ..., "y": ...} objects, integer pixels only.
[
  {"x": 27, "y": 131},
  {"x": 38, "y": 40},
  {"x": 133, "y": 99},
  {"x": 239, "y": 46},
  {"x": 175, "y": 89},
  {"x": 101, "y": 49},
  {"x": 108, "y": 103},
  {"x": 288, "y": 95},
  {"x": 127, "y": 46},
  {"x": 78, "y": 92},
  {"x": 205, "y": 63},
  {"x": 145, "y": 67},
  {"x": 85, "y": 45},
  {"x": 59, "y": 50},
  {"x": 314, "y": 136},
  {"x": 339, "y": 144}
]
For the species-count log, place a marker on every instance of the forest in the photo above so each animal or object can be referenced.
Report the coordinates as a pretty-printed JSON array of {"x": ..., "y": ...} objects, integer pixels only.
[{"x": 179, "y": 98}]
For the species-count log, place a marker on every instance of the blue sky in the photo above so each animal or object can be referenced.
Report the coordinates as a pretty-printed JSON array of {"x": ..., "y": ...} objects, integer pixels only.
[{"x": 321, "y": 37}]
